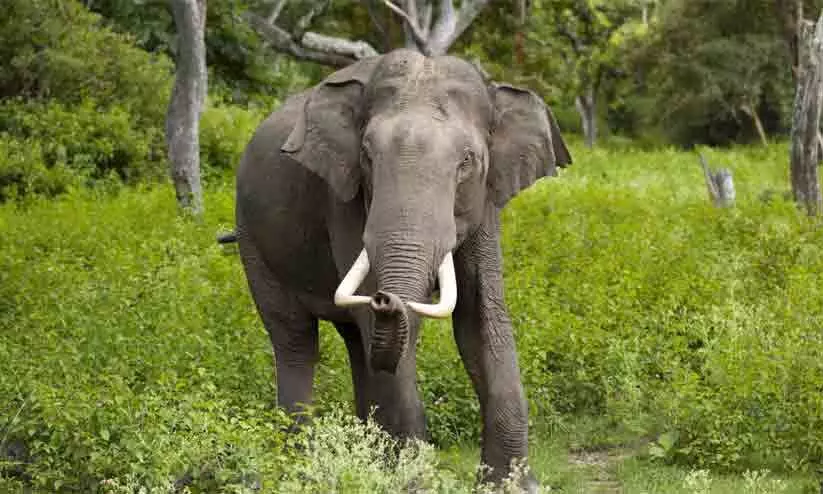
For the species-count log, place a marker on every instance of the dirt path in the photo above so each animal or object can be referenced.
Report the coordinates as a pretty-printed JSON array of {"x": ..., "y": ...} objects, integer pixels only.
[{"x": 598, "y": 467}]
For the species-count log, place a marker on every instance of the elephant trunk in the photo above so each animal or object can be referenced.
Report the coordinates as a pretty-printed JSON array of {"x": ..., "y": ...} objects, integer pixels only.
[
  {"x": 391, "y": 331},
  {"x": 404, "y": 274},
  {"x": 405, "y": 277}
]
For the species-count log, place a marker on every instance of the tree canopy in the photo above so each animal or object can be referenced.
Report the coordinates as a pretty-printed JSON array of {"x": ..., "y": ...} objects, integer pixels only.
[
  {"x": 684, "y": 72},
  {"x": 687, "y": 72}
]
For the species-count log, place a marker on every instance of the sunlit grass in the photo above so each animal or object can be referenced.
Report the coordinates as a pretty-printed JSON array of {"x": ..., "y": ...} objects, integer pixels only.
[{"x": 130, "y": 348}]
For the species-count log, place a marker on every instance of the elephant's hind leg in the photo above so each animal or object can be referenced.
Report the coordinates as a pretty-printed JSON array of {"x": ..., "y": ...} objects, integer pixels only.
[{"x": 293, "y": 332}]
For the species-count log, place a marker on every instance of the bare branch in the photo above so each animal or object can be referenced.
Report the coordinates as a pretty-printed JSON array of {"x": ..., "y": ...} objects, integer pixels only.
[
  {"x": 469, "y": 10},
  {"x": 397, "y": 10},
  {"x": 451, "y": 25},
  {"x": 304, "y": 22},
  {"x": 410, "y": 21},
  {"x": 426, "y": 19},
  {"x": 340, "y": 46},
  {"x": 275, "y": 12},
  {"x": 385, "y": 40},
  {"x": 445, "y": 26},
  {"x": 326, "y": 50}
]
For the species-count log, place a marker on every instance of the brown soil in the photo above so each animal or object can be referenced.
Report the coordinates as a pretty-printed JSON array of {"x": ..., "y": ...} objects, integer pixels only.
[{"x": 599, "y": 466}]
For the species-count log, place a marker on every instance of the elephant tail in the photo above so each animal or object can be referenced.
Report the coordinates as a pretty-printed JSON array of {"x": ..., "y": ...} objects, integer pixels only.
[{"x": 227, "y": 238}]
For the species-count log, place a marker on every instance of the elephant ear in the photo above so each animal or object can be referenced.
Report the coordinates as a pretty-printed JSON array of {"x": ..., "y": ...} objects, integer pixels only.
[
  {"x": 326, "y": 136},
  {"x": 525, "y": 143}
]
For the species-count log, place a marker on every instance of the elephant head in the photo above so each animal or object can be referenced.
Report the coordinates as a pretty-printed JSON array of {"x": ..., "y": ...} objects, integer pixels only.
[{"x": 426, "y": 144}]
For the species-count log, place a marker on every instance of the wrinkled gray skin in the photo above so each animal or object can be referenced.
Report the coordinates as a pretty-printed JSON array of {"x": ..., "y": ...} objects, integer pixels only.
[{"x": 411, "y": 157}]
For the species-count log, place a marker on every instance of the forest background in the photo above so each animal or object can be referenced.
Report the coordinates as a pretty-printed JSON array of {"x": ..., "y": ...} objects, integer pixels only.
[{"x": 131, "y": 354}]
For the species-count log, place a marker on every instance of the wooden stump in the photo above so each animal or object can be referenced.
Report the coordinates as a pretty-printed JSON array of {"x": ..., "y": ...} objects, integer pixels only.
[
  {"x": 720, "y": 184},
  {"x": 805, "y": 150}
]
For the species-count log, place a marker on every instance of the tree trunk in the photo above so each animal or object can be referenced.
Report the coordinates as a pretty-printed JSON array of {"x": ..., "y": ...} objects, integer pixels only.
[
  {"x": 521, "y": 8},
  {"x": 186, "y": 104},
  {"x": 790, "y": 14},
  {"x": 805, "y": 151},
  {"x": 758, "y": 124},
  {"x": 586, "y": 107}
]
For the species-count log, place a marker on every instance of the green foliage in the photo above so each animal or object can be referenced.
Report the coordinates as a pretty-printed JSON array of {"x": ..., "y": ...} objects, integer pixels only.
[
  {"x": 583, "y": 34},
  {"x": 562, "y": 50},
  {"x": 241, "y": 66},
  {"x": 51, "y": 49},
  {"x": 132, "y": 350},
  {"x": 87, "y": 138},
  {"x": 707, "y": 66},
  {"x": 688, "y": 72},
  {"x": 129, "y": 377},
  {"x": 50, "y": 146},
  {"x": 78, "y": 102},
  {"x": 224, "y": 132},
  {"x": 23, "y": 171},
  {"x": 636, "y": 300}
]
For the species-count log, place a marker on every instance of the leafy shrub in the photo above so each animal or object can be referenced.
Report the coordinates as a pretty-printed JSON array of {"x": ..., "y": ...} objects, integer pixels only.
[
  {"x": 90, "y": 140},
  {"x": 89, "y": 103},
  {"x": 342, "y": 454},
  {"x": 23, "y": 170},
  {"x": 100, "y": 391},
  {"x": 225, "y": 130},
  {"x": 60, "y": 50},
  {"x": 636, "y": 300},
  {"x": 132, "y": 350}
]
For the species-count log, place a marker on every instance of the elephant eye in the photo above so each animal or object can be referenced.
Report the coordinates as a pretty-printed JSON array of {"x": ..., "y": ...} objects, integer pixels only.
[
  {"x": 466, "y": 166},
  {"x": 365, "y": 156}
]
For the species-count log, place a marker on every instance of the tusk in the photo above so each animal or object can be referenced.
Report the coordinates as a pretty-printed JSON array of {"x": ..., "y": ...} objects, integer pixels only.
[
  {"x": 344, "y": 296},
  {"x": 448, "y": 292}
]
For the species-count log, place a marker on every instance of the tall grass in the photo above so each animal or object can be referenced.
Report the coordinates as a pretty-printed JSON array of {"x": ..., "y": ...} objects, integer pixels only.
[{"x": 130, "y": 349}]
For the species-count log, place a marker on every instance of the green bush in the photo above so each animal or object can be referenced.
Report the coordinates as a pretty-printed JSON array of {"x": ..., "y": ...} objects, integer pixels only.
[
  {"x": 88, "y": 103},
  {"x": 636, "y": 300},
  {"x": 225, "y": 130},
  {"x": 58, "y": 144},
  {"x": 132, "y": 350},
  {"x": 23, "y": 171},
  {"x": 59, "y": 50},
  {"x": 88, "y": 138},
  {"x": 93, "y": 387}
]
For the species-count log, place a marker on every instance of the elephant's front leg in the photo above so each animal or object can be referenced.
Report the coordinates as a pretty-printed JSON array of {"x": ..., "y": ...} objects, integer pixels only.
[{"x": 486, "y": 343}]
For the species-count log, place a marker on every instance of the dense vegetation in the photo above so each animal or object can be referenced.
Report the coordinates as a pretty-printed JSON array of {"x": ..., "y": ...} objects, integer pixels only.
[
  {"x": 131, "y": 354},
  {"x": 131, "y": 346},
  {"x": 83, "y": 93}
]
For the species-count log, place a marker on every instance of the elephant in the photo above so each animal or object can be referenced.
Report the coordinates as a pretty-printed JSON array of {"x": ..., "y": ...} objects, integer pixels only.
[{"x": 364, "y": 197}]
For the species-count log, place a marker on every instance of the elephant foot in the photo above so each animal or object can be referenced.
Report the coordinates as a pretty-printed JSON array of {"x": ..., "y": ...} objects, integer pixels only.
[
  {"x": 529, "y": 484},
  {"x": 526, "y": 481}
]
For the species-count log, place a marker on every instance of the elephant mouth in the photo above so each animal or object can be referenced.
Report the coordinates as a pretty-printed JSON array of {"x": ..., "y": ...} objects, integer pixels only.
[
  {"x": 391, "y": 314},
  {"x": 446, "y": 281}
]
